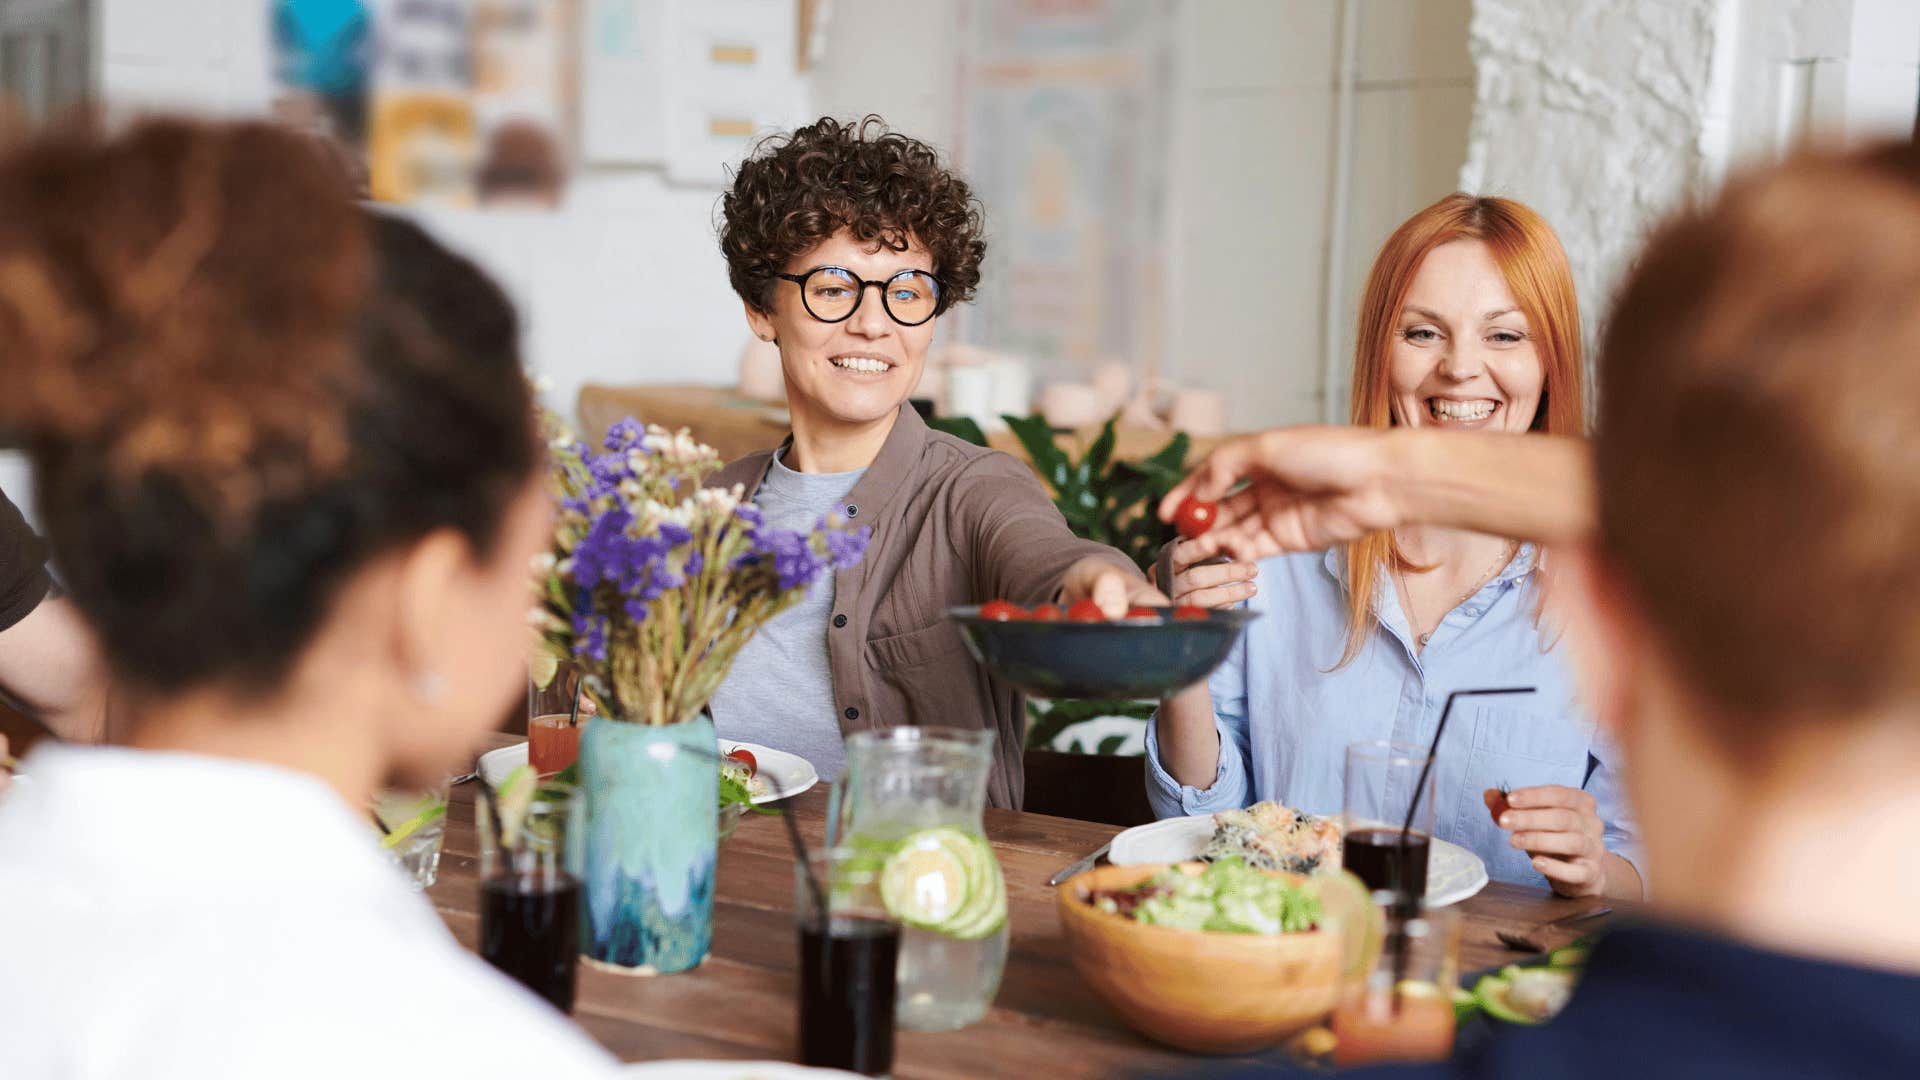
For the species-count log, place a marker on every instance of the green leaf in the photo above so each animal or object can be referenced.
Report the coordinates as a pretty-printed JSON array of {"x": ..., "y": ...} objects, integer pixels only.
[
  {"x": 1036, "y": 437},
  {"x": 1173, "y": 455},
  {"x": 1110, "y": 745},
  {"x": 1100, "y": 454},
  {"x": 960, "y": 427}
]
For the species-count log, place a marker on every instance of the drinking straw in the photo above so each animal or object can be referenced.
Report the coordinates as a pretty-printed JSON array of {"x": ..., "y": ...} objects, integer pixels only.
[
  {"x": 1405, "y": 903},
  {"x": 492, "y": 799}
]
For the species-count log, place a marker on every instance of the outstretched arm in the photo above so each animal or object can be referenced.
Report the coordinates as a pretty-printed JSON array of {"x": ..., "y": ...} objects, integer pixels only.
[{"x": 1312, "y": 487}]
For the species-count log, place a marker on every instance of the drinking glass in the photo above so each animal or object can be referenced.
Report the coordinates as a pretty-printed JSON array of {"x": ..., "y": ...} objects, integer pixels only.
[
  {"x": 553, "y": 719},
  {"x": 412, "y": 824},
  {"x": 1402, "y": 1008},
  {"x": 529, "y": 898},
  {"x": 849, "y": 955},
  {"x": 926, "y": 788},
  {"x": 1380, "y": 786}
]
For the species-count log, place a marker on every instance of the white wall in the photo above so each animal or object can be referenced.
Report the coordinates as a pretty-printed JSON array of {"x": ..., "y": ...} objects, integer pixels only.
[
  {"x": 1605, "y": 116},
  {"x": 1254, "y": 145}
]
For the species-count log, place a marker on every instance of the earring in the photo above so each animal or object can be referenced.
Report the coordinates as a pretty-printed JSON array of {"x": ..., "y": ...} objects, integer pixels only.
[{"x": 431, "y": 687}]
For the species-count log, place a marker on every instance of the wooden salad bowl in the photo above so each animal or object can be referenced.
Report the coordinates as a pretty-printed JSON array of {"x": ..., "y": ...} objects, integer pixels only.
[{"x": 1202, "y": 991}]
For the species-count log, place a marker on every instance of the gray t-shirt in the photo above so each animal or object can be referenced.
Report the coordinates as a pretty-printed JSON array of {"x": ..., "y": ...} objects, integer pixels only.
[{"x": 780, "y": 690}]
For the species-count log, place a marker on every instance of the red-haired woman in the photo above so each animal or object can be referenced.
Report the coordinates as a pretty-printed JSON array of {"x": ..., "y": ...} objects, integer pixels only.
[{"x": 1469, "y": 322}]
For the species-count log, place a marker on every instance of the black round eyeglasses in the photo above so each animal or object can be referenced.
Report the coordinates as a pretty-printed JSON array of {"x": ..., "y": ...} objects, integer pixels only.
[{"x": 833, "y": 293}]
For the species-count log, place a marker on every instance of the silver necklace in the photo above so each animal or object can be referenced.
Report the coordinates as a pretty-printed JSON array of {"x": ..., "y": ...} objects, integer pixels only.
[{"x": 1505, "y": 557}]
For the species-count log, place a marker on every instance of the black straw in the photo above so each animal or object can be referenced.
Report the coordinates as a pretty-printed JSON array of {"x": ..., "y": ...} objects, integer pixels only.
[
  {"x": 793, "y": 837},
  {"x": 1404, "y": 901}
]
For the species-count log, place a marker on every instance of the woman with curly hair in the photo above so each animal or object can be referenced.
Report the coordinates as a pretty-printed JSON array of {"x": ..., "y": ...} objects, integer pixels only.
[{"x": 815, "y": 221}]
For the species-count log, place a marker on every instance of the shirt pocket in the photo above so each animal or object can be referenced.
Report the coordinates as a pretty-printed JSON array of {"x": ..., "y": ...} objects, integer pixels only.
[
  {"x": 916, "y": 648},
  {"x": 1515, "y": 748}
]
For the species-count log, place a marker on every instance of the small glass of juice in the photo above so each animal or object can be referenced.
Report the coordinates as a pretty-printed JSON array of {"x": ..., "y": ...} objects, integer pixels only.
[{"x": 1402, "y": 1010}]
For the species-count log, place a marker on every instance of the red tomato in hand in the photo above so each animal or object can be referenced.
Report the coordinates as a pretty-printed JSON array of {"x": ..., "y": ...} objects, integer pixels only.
[
  {"x": 1046, "y": 613},
  {"x": 1085, "y": 611},
  {"x": 1003, "y": 611},
  {"x": 1143, "y": 613},
  {"x": 1188, "y": 611},
  {"x": 1496, "y": 801},
  {"x": 745, "y": 757},
  {"x": 1194, "y": 517}
]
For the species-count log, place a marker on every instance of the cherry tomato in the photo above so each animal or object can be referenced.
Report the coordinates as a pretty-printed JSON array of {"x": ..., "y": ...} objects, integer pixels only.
[
  {"x": 1003, "y": 611},
  {"x": 1046, "y": 613},
  {"x": 1085, "y": 611},
  {"x": 1143, "y": 613},
  {"x": 1496, "y": 801},
  {"x": 1188, "y": 612},
  {"x": 1194, "y": 517},
  {"x": 745, "y": 757}
]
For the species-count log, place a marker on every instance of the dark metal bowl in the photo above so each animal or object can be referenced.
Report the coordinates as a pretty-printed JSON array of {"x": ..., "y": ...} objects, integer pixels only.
[{"x": 1130, "y": 658}]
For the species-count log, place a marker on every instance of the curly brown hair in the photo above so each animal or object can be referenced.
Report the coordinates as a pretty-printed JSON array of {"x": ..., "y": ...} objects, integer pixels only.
[
  {"x": 237, "y": 388},
  {"x": 795, "y": 191}
]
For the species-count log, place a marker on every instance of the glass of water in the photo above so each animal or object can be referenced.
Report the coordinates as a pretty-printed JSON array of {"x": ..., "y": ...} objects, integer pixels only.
[{"x": 412, "y": 824}]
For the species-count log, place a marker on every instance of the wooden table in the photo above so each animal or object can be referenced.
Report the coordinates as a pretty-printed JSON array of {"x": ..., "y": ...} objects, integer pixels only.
[{"x": 740, "y": 1004}]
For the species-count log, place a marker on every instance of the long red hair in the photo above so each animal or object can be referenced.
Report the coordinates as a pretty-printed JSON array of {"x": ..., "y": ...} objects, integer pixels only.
[{"x": 1529, "y": 255}]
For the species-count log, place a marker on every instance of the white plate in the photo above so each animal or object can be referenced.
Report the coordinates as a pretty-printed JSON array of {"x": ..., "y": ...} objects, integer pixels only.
[
  {"x": 1453, "y": 872},
  {"x": 790, "y": 774},
  {"x": 728, "y": 1070}
]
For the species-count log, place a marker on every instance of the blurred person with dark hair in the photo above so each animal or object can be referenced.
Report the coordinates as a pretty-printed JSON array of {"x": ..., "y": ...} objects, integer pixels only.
[
  {"x": 286, "y": 452},
  {"x": 1745, "y": 545},
  {"x": 845, "y": 244}
]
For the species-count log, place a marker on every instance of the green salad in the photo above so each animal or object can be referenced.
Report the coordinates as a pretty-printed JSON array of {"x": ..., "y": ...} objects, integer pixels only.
[{"x": 1227, "y": 896}]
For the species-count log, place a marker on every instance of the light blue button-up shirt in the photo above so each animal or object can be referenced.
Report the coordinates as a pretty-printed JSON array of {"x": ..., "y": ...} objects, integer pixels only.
[{"x": 1286, "y": 712}]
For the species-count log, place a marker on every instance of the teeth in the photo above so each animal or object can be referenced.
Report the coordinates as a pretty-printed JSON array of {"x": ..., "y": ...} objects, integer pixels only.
[
  {"x": 1461, "y": 410},
  {"x": 861, "y": 363}
]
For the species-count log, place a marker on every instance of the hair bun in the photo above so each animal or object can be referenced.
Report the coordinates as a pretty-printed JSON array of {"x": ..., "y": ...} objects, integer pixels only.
[{"x": 180, "y": 297}]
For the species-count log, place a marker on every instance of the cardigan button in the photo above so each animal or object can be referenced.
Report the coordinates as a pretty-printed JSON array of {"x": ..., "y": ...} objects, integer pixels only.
[
  {"x": 853, "y": 511},
  {"x": 839, "y": 620},
  {"x": 852, "y": 713}
]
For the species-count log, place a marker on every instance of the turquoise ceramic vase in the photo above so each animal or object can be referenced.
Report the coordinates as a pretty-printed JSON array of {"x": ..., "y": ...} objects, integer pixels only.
[{"x": 651, "y": 837}]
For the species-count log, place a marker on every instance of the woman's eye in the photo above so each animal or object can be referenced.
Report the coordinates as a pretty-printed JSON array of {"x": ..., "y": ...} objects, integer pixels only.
[
  {"x": 905, "y": 295},
  {"x": 830, "y": 292},
  {"x": 1506, "y": 337},
  {"x": 1420, "y": 335}
]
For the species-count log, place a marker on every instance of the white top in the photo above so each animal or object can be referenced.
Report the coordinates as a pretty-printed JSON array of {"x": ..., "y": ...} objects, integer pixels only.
[{"x": 174, "y": 915}]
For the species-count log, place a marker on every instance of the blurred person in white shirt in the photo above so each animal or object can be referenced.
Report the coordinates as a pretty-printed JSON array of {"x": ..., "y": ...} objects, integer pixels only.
[{"x": 286, "y": 451}]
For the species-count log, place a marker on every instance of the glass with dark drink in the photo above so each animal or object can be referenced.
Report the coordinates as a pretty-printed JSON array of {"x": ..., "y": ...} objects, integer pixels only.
[
  {"x": 849, "y": 956},
  {"x": 1381, "y": 783},
  {"x": 530, "y": 929},
  {"x": 529, "y": 901}
]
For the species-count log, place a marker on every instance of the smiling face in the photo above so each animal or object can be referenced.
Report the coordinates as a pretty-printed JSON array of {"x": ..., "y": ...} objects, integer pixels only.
[
  {"x": 856, "y": 372},
  {"x": 1462, "y": 354}
]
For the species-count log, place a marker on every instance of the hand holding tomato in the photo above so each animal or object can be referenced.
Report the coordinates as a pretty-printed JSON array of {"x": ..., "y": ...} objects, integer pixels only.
[
  {"x": 1111, "y": 589},
  {"x": 1210, "y": 583}
]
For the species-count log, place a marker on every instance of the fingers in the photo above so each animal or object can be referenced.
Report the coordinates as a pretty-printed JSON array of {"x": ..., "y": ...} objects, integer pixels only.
[
  {"x": 1576, "y": 878},
  {"x": 1215, "y": 476},
  {"x": 1143, "y": 594},
  {"x": 1569, "y": 844},
  {"x": 1110, "y": 590},
  {"x": 1546, "y": 795},
  {"x": 1552, "y": 819}
]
